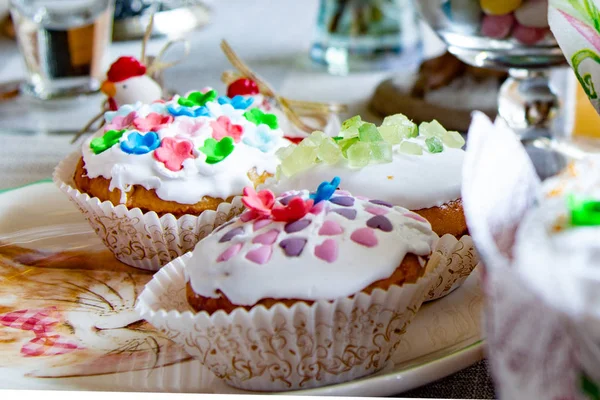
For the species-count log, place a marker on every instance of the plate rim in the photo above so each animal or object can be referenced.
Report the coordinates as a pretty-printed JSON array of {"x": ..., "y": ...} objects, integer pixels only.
[{"x": 389, "y": 383}]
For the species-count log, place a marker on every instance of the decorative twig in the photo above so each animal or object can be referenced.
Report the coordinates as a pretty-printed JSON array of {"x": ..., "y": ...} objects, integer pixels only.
[
  {"x": 288, "y": 106},
  {"x": 147, "y": 35},
  {"x": 158, "y": 65},
  {"x": 85, "y": 129}
]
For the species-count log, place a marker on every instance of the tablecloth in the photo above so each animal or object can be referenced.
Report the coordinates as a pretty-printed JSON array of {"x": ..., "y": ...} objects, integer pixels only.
[{"x": 274, "y": 38}]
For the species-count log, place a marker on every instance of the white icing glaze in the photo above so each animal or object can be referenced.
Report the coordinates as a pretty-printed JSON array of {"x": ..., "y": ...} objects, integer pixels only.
[
  {"x": 582, "y": 177},
  {"x": 307, "y": 277},
  {"x": 562, "y": 261},
  {"x": 196, "y": 179},
  {"x": 410, "y": 181}
]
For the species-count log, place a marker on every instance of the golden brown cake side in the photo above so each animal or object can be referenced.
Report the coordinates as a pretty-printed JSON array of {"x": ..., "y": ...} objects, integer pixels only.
[
  {"x": 147, "y": 200},
  {"x": 447, "y": 219}
]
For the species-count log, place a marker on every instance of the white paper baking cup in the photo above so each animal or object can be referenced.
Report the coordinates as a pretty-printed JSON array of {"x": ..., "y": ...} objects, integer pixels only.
[
  {"x": 459, "y": 259},
  {"x": 285, "y": 348},
  {"x": 141, "y": 240}
]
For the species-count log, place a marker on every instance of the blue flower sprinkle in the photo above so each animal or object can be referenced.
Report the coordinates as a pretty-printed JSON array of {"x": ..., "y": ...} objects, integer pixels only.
[
  {"x": 189, "y": 112},
  {"x": 238, "y": 102},
  {"x": 137, "y": 143},
  {"x": 262, "y": 138}
]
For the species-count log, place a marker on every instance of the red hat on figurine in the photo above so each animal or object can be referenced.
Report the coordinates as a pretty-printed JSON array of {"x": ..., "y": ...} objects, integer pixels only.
[{"x": 125, "y": 68}]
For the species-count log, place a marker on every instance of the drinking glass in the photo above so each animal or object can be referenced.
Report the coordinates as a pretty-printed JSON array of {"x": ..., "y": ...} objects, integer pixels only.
[
  {"x": 63, "y": 44},
  {"x": 358, "y": 35}
]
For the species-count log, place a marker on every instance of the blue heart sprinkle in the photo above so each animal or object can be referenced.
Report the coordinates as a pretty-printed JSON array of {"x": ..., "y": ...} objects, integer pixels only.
[
  {"x": 238, "y": 102},
  {"x": 136, "y": 143},
  {"x": 189, "y": 112},
  {"x": 325, "y": 190}
]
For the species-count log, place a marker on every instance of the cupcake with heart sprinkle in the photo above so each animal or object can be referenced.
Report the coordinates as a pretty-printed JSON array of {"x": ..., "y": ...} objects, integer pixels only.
[
  {"x": 159, "y": 177},
  {"x": 303, "y": 290}
]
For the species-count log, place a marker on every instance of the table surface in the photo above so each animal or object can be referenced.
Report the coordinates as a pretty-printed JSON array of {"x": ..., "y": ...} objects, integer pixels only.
[{"x": 277, "y": 47}]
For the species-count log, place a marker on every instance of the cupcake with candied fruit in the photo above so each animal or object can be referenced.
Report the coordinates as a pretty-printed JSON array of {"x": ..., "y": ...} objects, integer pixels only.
[
  {"x": 159, "y": 177},
  {"x": 418, "y": 167},
  {"x": 304, "y": 290}
]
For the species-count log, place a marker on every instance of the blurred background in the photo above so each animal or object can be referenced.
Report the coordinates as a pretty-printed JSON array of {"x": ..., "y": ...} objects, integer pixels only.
[{"x": 322, "y": 50}]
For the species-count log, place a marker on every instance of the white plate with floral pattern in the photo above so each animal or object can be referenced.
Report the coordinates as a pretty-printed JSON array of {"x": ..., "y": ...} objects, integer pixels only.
[{"x": 67, "y": 319}]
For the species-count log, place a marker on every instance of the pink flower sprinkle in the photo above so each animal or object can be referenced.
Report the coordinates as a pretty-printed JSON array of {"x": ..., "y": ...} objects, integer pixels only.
[
  {"x": 120, "y": 122},
  {"x": 223, "y": 127},
  {"x": 153, "y": 122},
  {"x": 173, "y": 152}
]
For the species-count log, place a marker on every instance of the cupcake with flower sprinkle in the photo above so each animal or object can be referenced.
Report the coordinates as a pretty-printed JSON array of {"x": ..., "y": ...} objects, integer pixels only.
[
  {"x": 170, "y": 171},
  {"x": 298, "y": 283},
  {"x": 418, "y": 167}
]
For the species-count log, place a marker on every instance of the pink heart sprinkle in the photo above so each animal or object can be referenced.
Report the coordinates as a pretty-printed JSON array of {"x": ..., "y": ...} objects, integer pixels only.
[
  {"x": 267, "y": 238},
  {"x": 327, "y": 251},
  {"x": 248, "y": 216},
  {"x": 365, "y": 237},
  {"x": 262, "y": 255},
  {"x": 330, "y": 228},
  {"x": 230, "y": 252},
  {"x": 416, "y": 217},
  {"x": 318, "y": 208},
  {"x": 377, "y": 210},
  {"x": 362, "y": 198},
  {"x": 261, "y": 223}
]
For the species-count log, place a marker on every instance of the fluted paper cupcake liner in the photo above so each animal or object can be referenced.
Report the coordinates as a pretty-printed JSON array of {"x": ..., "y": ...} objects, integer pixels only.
[
  {"x": 285, "y": 348},
  {"x": 142, "y": 239},
  {"x": 459, "y": 259}
]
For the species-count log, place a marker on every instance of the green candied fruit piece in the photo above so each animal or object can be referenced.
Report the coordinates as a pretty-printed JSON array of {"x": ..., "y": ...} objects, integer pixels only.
[
  {"x": 316, "y": 138},
  {"x": 453, "y": 140},
  {"x": 349, "y": 133},
  {"x": 395, "y": 119},
  {"x": 434, "y": 145},
  {"x": 381, "y": 152},
  {"x": 397, "y": 127},
  {"x": 284, "y": 152},
  {"x": 391, "y": 134},
  {"x": 359, "y": 155},
  {"x": 432, "y": 129},
  {"x": 411, "y": 148},
  {"x": 329, "y": 151},
  {"x": 345, "y": 145},
  {"x": 355, "y": 121},
  {"x": 369, "y": 133},
  {"x": 302, "y": 158}
]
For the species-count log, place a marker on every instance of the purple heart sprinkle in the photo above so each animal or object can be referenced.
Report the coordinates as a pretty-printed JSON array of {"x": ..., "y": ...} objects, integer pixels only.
[
  {"x": 284, "y": 201},
  {"x": 381, "y": 203},
  {"x": 226, "y": 224},
  {"x": 380, "y": 222},
  {"x": 296, "y": 226},
  {"x": 346, "y": 212},
  {"x": 343, "y": 201},
  {"x": 293, "y": 246},
  {"x": 229, "y": 235}
]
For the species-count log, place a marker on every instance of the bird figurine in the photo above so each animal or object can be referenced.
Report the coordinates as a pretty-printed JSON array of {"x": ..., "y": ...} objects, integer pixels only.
[
  {"x": 127, "y": 83},
  {"x": 130, "y": 80}
]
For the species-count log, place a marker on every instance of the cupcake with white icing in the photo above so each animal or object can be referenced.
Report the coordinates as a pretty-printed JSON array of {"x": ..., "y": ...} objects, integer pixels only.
[
  {"x": 416, "y": 167},
  {"x": 303, "y": 290},
  {"x": 562, "y": 233},
  {"x": 400, "y": 163},
  {"x": 159, "y": 177}
]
